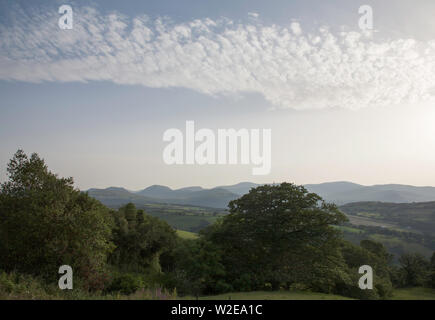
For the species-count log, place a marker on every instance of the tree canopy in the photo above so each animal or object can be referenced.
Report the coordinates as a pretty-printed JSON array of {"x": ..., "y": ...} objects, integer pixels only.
[
  {"x": 45, "y": 223},
  {"x": 276, "y": 234}
]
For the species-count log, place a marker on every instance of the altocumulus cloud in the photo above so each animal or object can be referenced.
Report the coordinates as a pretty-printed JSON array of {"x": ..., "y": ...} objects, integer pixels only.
[{"x": 289, "y": 67}]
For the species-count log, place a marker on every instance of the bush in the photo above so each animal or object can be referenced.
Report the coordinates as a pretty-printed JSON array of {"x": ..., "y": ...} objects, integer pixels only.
[
  {"x": 223, "y": 287},
  {"x": 384, "y": 288},
  {"x": 14, "y": 286},
  {"x": 298, "y": 287},
  {"x": 244, "y": 283},
  {"x": 194, "y": 267},
  {"x": 125, "y": 284}
]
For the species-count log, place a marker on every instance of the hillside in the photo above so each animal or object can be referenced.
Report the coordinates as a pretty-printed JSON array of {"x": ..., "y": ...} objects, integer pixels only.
[
  {"x": 240, "y": 188},
  {"x": 340, "y": 192},
  {"x": 401, "y": 227},
  {"x": 346, "y": 192},
  {"x": 116, "y": 197},
  {"x": 419, "y": 217}
]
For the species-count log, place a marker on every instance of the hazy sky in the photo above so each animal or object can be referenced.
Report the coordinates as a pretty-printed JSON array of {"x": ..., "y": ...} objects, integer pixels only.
[{"x": 342, "y": 104}]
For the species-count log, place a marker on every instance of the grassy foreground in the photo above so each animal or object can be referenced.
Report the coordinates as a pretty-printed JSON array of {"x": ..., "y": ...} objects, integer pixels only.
[
  {"x": 22, "y": 287},
  {"x": 399, "y": 294},
  {"x": 414, "y": 294},
  {"x": 274, "y": 295}
]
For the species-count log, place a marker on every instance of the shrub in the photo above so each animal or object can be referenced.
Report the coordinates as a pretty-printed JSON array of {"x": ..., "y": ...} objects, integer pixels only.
[
  {"x": 15, "y": 286},
  {"x": 125, "y": 284}
]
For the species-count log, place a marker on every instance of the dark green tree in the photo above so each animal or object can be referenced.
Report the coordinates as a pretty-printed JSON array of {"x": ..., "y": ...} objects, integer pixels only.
[
  {"x": 130, "y": 214},
  {"x": 377, "y": 249},
  {"x": 279, "y": 234},
  {"x": 416, "y": 269},
  {"x": 140, "y": 239},
  {"x": 432, "y": 271},
  {"x": 369, "y": 253},
  {"x": 46, "y": 223},
  {"x": 195, "y": 267}
]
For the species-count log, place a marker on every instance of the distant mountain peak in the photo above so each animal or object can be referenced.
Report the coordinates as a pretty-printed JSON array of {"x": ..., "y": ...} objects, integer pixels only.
[
  {"x": 158, "y": 187},
  {"x": 193, "y": 188},
  {"x": 116, "y": 189}
]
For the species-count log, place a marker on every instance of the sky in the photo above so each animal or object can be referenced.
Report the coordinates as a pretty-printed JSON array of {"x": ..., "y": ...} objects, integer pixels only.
[{"x": 342, "y": 103}]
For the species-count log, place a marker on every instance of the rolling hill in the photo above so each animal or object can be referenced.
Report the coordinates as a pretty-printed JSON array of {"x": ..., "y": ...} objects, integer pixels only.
[
  {"x": 340, "y": 192},
  {"x": 418, "y": 216},
  {"x": 346, "y": 192},
  {"x": 215, "y": 198},
  {"x": 240, "y": 188},
  {"x": 401, "y": 227},
  {"x": 116, "y": 197}
]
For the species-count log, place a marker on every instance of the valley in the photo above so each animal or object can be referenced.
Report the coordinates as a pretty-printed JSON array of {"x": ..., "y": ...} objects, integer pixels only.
[{"x": 401, "y": 227}]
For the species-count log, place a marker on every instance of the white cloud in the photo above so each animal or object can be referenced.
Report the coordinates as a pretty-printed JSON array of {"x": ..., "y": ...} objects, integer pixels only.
[
  {"x": 290, "y": 68},
  {"x": 296, "y": 28}
]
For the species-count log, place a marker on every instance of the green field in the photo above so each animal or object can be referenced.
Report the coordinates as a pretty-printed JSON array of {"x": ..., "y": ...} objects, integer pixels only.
[
  {"x": 188, "y": 218},
  {"x": 414, "y": 294},
  {"x": 274, "y": 295},
  {"x": 349, "y": 229},
  {"x": 399, "y": 294},
  {"x": 369, "y": 221},
  {"x": 187, "y": 235}
]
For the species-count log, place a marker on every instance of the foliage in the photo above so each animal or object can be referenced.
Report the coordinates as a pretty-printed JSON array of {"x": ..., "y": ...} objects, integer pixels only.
[
  {"x": 15, "y": 286},
  {"x": 140, "y": 239},
  {"x": 46, "y": 223},
  {"x": 415, "y": 269},
  {"x": 125, "y": 283},
  {"x": 195, "y": 267},
  {"x": 368, "y": 253},
  {"x": 277, "y": 234},
  {"x": 397, "y": 242}
]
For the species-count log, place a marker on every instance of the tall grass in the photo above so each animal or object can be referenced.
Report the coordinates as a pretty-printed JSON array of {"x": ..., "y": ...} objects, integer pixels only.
[{"x": 14, "y": 286}]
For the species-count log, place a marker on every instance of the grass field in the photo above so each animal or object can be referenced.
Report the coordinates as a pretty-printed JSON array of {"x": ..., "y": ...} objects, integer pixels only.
[
  {"x": 349, "y": 229},
  {"x": 186, "y": 218},
  {"x": 414, "y": 294},
  {"x": 399, "y": 294},
  {"x": 273, "y": 295},
  {"x": 369, "y": 221},
  {"x": 187, "y": 235}
]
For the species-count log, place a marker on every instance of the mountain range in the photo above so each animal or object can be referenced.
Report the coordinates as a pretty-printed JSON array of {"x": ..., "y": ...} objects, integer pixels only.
[{"x": 340, "y": 192}]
